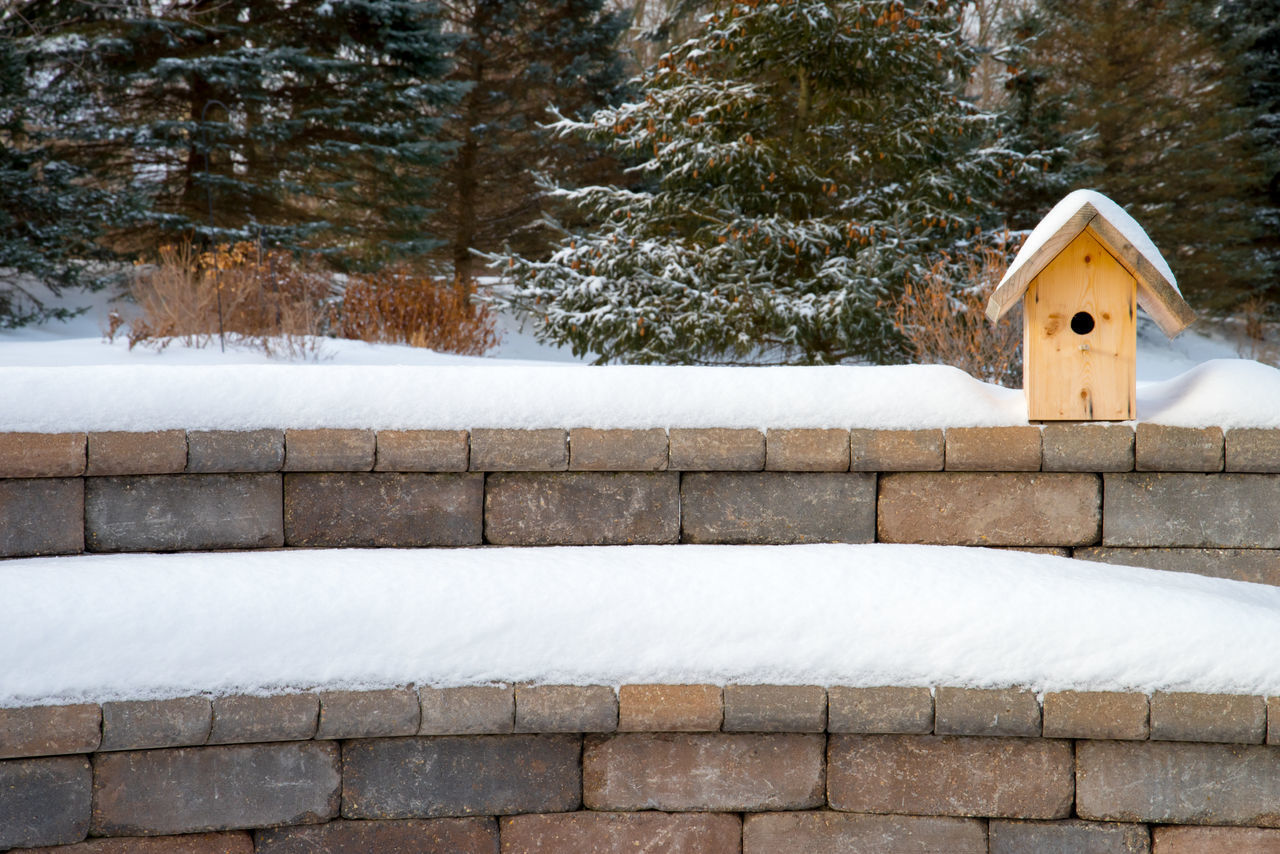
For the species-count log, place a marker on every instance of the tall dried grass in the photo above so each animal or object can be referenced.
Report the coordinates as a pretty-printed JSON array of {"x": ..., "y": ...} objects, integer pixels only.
[{"x": 396, "y": 305}]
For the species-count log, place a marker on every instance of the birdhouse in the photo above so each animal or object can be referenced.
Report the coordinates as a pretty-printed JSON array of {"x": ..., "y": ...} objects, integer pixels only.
[{"x": 1081, "y": 275}]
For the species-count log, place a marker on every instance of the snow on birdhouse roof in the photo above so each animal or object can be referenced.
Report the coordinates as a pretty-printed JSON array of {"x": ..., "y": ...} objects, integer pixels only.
[{"x": 1158, "y": 292}]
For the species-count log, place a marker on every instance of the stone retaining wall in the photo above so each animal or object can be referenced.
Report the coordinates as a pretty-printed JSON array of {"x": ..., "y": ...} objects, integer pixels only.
[{"x": 702, "y": 769}]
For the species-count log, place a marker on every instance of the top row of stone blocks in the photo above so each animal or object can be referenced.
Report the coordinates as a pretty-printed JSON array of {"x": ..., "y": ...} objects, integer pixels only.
[{"x": 1055, "y": 447}]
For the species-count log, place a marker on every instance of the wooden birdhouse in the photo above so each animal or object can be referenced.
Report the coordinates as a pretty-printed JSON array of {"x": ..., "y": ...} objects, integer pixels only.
[{"x": 1081, "y": 275}]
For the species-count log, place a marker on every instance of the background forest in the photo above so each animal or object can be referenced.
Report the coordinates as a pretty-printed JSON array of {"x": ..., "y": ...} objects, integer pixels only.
[{"x": 655, "y": 180}]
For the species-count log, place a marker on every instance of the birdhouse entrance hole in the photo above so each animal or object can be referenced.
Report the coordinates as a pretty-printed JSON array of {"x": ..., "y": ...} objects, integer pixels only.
[{"x": 1082, "y": 323}]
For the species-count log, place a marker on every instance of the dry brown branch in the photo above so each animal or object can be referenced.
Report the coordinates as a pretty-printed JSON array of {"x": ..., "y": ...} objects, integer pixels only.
[{"x": 398, "y": 306}]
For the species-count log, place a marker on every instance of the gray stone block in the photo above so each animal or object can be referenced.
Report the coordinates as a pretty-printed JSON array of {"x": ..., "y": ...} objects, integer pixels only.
[
  {"x": 896, "y": 450},
  {"x": 1068, "y": 837},
  {"x": 402, "y": 836},
  {"x": 423, "y": 450},
  {"x": 189, "y": 512},
  {"x": 778, "y": 507},
  {"x": 566, "y": 708},
  {"x": 1162, "y": 448},
  {"x": 622, "y": 833},
  {"x": 519, "y": 450},
  {"x": 1087, "y": 447},
  {"x": 329, "y": 450},
  {"x": 879, "y": 710},
  {"x": 1259, "y": 566},
  {"x": 244, "y": 719},
  {"x": 807, "y": 450},
  {"x": 44, "y": 801},
  {"x": 775, "y": 708},
  {"x": 1222, "y": 718},
  {"x": 841, "y": 833},
  {"x": 461, "y": 775},
  {"x": 582, "y": 508},
  {"x": 981, "y": 711},
  {"x": 226, "y": 451},
  {"x": 228, "y": 842},
  {"x": 42, "y": 454},
  {"x": 368, "y": 714},
  {"x": 138, "y": 724},
  {"x": 118, "y": 452},
  {"x": 1196, "y": 510},
  {"x": 340, "y": 510},
  {"x": 41, "y": 516},
  {"x": 467, "y": 710},
  {"x": 716, "y": 449},
  {"x": 617, "y": 450},
  {"x": 1252, "y": 450},
  {"x": 50, "y": 730}
]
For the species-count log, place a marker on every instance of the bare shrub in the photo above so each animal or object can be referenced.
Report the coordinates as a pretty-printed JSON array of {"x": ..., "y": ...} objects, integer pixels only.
[
  {"x": 398, "y": 306},
  {"x": 1255, "y": 344}
]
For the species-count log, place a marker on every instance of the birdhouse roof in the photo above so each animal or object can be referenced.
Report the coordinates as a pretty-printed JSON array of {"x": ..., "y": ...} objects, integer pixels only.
[{"x": 1120, "y": 233}]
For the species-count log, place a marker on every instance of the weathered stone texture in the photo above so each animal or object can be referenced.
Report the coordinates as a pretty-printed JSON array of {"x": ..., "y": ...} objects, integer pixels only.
[
  {"x": 1068, "y": 837},
  {"x": 460, "y": 775},
  {"x": 879, "y": 710},
  {"x": 716, "y": 449},
  {"x": 896, "y": 450},
  {"x": 422, "y": 450},
  {"x": 1251, "y": 450},
  {"x": 138, "y": 724},
  {"x": 1087, "y": 447},
  {"x": 950, "y": 775},
  {"x": 670, "y": 708},
  {"x": 368, "y": 714},
  {"x": 566, "y": 708},
  {"x": 41, "y": 516},
  {"x": 241, "y": 718},
  {"x": 49, "y": 730},
  {"x": 841, "y": 833},
  {"x": 582, "y": 508},
  {"x": 1208, "y": 717},
  {"x": 993, "y": 449},
  {"x": 617, "y": 450},
  {"x": 383, "y": 509},
  {"x": 982, "y": 711},
  {"x": 1260, "y": 566},
  {"x": 1215, "y": 840},
  {"x": 42, "y": 454},
  {"x": 1095, "y": 714},
  {"x": 1178, "y": 783},
  {"x": 158, "y": 452},
  {"x": 990, "y": 509},
  {"x": 1163, "y": 448},
  {"x": 403, "y": 836},
  {"x": 187, "y": 790},
  {"x": 1273, "y": 720},
  {"x": 467, "y": 710},
  {"x": 1195, "y": 510},
  {"x": 807, "y": 450},
  {"x": 775, "y": 708},
  {"x": 519, "y": 450},
  {"x": 234, "y": 451},
  {"x": 44, "y": 801},
  {"x": 329, "y": 450},
  {"x": 186, "y": 512},
  {"x": 781, "y": 507},
  {"x": 194, "y": 843},
  {"x": 621, "y": 833},
  {"x": 703, "y": 772}
]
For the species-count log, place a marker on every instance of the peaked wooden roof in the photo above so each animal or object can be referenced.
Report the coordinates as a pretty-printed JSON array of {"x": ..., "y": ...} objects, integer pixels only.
[{"x": 1158, "y": 293}]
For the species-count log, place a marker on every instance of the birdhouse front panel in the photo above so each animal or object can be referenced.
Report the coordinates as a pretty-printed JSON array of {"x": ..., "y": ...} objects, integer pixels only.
[{"x": 1080, "y": 336}]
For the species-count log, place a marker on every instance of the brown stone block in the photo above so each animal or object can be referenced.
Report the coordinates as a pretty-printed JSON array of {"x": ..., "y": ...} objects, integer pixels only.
[
  {"x": 519, "y": 450},
  {"x": 193, "y": 789},
  {"x": 950, "y": 775},
  {"x": 193, "y": 843},
  {"x": 775, "y": 708},
  {"x": 993, "y": 449},
  {"x": 368, "y": 714},
  {"x": 670, "y": 708},
  {"x": 807, "y": 450},
  {"x": 566, "y": 708},
  {"x": 234, "y": 451},
  {"x": 158, "y": 452},
  {"x": 1169, "y": 782},
  {"x": 990, "y": 509},
  {"x": 622, "y": 833},
  {"x": 243, "y": 719},
  {"x": 582, "y": 508},
  {"x": 617, "y": 450},
  {"x": 1068, "y": 837},
  {"x": 1273, "y": 720},
  {"x": 423, "y": 450},
  {"x": 402, "y": 836},
  {"x": 1087, "y": 447},
  {"x": 41, "y": 516},
  {"x": 1163, "y": 448},
  {"x": 1253, "y": 450},
  {"x": 716, "y": 449},
  {"x": 1195, "y": 510},
  {"x": 44, "y": 801},
  {"x": 42, "y": 454},
  {"x": 778, "y": 507},
  {"x": 49, "y": 730},
  {"x": 896, "y": 450},
  {"x": 879, "y": 710},
  {"x": 841, "y": 833},
  {"x": 461, "y": 775},
  {"x": 1226, "y": 718},
  {"x": 1095, "y": 714},
  {"x": 703, "y": 772},
  {"x": 1215, "y": 840},
  {"x": 329, "y": 450},
  {"x": 380, "y": 509},
  {"x": 138, "y": 724},
  {"x": 467, "y": 710},
  {"x": 984, "y": 711},
  {"x": 1259, "y": 566}
]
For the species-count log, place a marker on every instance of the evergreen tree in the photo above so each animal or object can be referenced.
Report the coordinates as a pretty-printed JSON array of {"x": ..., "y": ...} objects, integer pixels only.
[{"x": 802, "y": 158}]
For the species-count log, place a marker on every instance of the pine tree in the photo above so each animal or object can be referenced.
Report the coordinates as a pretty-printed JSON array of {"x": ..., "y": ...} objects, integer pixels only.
[{"x": 802, "y": 158}]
